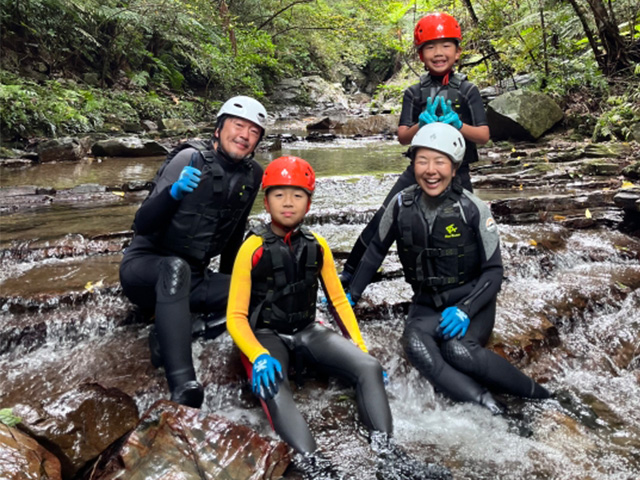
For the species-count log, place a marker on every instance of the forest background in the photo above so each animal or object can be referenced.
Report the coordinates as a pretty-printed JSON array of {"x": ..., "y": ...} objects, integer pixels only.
[{"x": 71, "y": 66}]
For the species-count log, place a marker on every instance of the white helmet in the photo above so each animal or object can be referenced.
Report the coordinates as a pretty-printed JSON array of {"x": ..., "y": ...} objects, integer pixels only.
[
  {"x": 247, "y": 108},
  {"x": 441, "y": 137}
]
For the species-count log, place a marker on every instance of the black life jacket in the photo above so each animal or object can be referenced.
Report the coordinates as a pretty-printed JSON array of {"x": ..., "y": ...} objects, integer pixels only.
[
  {"x": 451, "y": 91},
  {"x": 443, "y": 259},
  {"x": 284, "y": 282},
  {"x": 206, "y": 217}
]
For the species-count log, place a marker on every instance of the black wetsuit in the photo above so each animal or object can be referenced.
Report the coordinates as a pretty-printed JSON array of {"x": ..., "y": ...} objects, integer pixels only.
[
  {"x": 467, "y": 102},
  {"x": 445, "y": 230},
  {"x": 166, "y": 274}
]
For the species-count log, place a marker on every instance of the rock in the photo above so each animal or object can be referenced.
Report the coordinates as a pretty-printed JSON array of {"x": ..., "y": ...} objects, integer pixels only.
[
  {"x": 21, "y": 457},
  {"x": 128, "y": 147},
  {"x": 176, "y": 124},
  {"x": 606, "y": 150},
  {"x": 65, "y": 149},
  {"x": 522, "y": 115},
  {"x": 628, "y": 199},
  {"x": 312, "y": 91},
  {"x": 370, "y": 125},
  {"x": 325, "y": 124},
  {"x": 632, "y": 171},
  {"x": 80, "y": 424},
  {"x": 149, "y": 126},
  {"x": 599, "y": 167},
  {"x": 173, "y": 441}
]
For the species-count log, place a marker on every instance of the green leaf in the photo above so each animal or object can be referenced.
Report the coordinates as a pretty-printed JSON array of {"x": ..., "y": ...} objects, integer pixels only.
[{"x": 8, "y": 418}]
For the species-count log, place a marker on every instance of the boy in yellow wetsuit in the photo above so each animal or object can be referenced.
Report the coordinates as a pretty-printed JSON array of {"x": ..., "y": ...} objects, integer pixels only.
[{"x": 271, "y": 315}]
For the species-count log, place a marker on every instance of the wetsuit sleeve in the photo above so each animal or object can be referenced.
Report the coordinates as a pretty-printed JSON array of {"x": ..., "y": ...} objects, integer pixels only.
[
  {"x": 156, "y": 211},
  {"x": 410, "y": 106},
  {"x": 490, "y": 280},
  {"x": 472, "y": 97},
  {"x": 376, "y": 251},
  {"x": 335, "y": 294},
  {"x": 230, "y": 250},
  {"x": 239, "y": 298}
]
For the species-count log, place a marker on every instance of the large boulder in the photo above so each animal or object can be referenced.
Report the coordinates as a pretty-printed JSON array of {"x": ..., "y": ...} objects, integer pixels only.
[
  {"x": 522, "y": 115},
  {"x": 173, "y": 441},
  {"x": 312, "y": 91},
  {"x": 128, "y": 147},
  {"x": 65, "y": 149}
]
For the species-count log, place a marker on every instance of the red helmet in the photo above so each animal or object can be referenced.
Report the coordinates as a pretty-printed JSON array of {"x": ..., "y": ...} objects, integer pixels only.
[
  {"x": 435, "y": 26},
  {"x": 291, "y": 172}
]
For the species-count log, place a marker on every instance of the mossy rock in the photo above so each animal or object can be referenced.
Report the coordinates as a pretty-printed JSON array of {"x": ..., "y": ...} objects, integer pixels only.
[
  {"x": 632, "y": 171},
  {"x": 601, "y": 168}
]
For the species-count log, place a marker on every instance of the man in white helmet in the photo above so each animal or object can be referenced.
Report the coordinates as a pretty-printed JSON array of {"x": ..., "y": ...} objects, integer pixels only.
[
  {"x": 449, "y": 247},
  {"x": 197, "y": 209}
]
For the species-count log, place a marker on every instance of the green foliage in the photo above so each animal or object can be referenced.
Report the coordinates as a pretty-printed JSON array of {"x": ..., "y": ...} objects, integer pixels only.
[
  {"x": 619, "y": 120},
  {"x": 57, "y": 108},
  {"x": 153, "y": 50},
  {"x": 8, "y": 418}
]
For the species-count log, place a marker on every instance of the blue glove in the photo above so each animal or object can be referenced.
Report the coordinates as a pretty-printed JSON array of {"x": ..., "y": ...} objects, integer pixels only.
[
  {"x": 351, "y": 302},
  {"x": 429, "y": 114},
  {"x": 267, "y": 374},
  {"x": 449, "y": 115},
  {"x": 187, "y": 183},
  {"x": 385, "y": 378},
  {"x": 454, "y": 322}
]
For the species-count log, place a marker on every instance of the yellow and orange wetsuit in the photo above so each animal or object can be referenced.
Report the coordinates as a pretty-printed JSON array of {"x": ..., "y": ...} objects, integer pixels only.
[{"x": 322, "y": 346}]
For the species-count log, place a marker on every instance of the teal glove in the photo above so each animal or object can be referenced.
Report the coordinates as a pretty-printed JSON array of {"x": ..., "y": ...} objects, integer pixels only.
[
  {"x": 454, "y": 322},
  {"x": 351, "y": 302},
  {"x": 267, "y": 375},
  {"x": 449, "y": 115},
  {"x": 187, "y": 183},
  {"x": 429, "y": 114}
]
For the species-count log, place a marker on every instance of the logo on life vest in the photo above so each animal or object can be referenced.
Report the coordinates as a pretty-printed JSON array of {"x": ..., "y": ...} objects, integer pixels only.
[
  {"x": 491, "y": 224},
  {"x": 452, "y": 231}
]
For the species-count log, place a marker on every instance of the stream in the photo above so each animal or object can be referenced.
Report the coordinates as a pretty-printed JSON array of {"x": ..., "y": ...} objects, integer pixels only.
[{"x": 568, "y": 315}]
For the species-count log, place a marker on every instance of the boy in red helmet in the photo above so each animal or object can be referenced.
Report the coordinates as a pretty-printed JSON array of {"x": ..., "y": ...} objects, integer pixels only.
[
  {"x": 271, "y": 317},
  {"x": 442, "y": 95}
]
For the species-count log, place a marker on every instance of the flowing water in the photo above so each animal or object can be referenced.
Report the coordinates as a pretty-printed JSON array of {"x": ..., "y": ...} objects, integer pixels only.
[{"x": 568, "y": 315}]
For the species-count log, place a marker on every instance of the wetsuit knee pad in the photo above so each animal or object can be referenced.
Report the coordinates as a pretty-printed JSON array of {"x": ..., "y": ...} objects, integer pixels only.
[
  {"x": 174, "y": 278},
  {"x": 418, "y": 353},
  {"x": 458, "y": 355}
]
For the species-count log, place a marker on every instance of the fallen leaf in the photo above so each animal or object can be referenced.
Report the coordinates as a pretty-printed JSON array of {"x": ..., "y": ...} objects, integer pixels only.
[
  {"x": 587, "y": 213},
  {"x": 626, "y": 184},
  {"x": 559, "y": 218},
  {"x": 120, "y": 194},
  {"x": 532, "y": 242}
]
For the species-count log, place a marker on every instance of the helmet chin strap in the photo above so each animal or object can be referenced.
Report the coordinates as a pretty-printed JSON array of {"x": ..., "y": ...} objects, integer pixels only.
[{"x": 289, "y": 231}]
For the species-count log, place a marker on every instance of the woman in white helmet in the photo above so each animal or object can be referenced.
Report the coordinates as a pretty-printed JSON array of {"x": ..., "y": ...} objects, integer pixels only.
[
  {"x": 449, "y": 247},
  {"x": 197, "y": 209}
]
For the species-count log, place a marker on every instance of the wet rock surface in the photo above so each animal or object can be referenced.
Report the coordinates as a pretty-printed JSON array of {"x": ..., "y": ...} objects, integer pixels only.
[
  {"x": 172, "y": 441},
  {"x": 23, "y": 457},
  {"x": 567, "y": 315}
]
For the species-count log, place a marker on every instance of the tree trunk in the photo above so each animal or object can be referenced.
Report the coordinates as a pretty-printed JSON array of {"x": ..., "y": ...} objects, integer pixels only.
[
  {"x": 501, "y": 69},
  {"x": 590, "y": 36},
  {"x": 613, "y": 43},
  {"x": 226, "y": 22}
]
